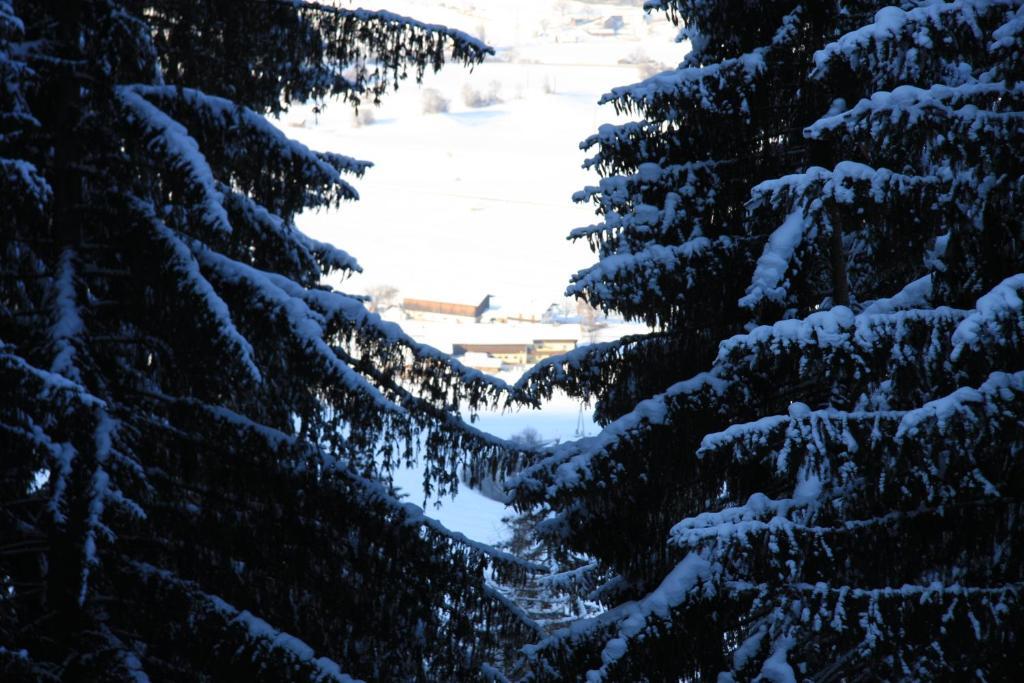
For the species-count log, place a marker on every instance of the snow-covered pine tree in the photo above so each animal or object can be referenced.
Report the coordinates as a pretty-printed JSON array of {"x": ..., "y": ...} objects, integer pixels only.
[
  {"x": 552, "y": 599},
  {"x": 812, "y": 469},
  {"x": 196, "y": 433}
]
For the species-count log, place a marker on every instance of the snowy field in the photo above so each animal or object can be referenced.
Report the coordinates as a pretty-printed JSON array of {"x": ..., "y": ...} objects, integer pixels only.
[
  {"x": 476, "y": 515},
  {"x": 476, "y": 200}
]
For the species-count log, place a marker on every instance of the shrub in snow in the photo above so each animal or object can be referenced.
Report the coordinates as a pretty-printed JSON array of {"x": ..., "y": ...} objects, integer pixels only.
[
  {"x": 364, "y": 117},
  {"x": 646, "y": 67},
  {"x": 476, "y": 99},
  {"x": 812, "y": 468},
  {"x": 434, "y": 102},
  {"x": 637, "y": 56}
]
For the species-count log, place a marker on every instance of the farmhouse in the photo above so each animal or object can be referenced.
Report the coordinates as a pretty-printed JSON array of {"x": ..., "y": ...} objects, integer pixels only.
[
  {"x": 443, "y": 311},
  {"x": 510, "y": 354},
  {"x": 482, "y": 362},
  {"x": 546, "y": 348}
]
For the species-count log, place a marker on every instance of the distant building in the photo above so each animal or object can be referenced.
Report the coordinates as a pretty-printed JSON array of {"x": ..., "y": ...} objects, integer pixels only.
[
  {"x": 443, "y": 311},
  {"x": 500, "y": 311},
  {"x": 482, "y": 362},
  {"x": 510, "y": 354},
  {"x": 609, "y": 26},
  {"x": 614, "y": 23},
  {"x": 545, "y": 348}
]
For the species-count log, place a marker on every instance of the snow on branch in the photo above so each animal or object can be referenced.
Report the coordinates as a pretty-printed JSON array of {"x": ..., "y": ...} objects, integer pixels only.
[
  {"x": 898, "y": 45},
  {"x": 824, "y": 328},
  {"x": 250, "y": 130},
  {"x": 636, "y": 209},
  {"x": 842, "y": 608},
  {"x": 308, "y": 257},
  {"x": 411, "y": 514},
  {"x": 648, "y": 264},
  {"x": 68, "y": 324},
  {"x": 128, "y": 666},
  {"x": 837, "y": 331},
  {"x": 685, "y": 578},
  {"x": 840, "y": 185},
  {"x": 570, "y": 462},
  {"x": 769, "y": 279},
  {"x": 962, "y": 405},
  {"x": 619, "y": 189},
  {"x": 641, "y": 139},
  {"x": 982, "y": 124},
  {"x": 628, "y": 620},
  {"x": 321, "y": 321},
  {"x": 924, "y": 592},
  {"x": 462, "y": 41},
  {"x": 329, "y": 163},
  {"x": 254, "y": 629},
  {"x": 807, "y": 198},
  {"x": 52, "y": 383},
  {"x": 760, "y": 513},
  {"x": 565, "y": 369},
  {"x": 572, "y": 580},
  {"x": 998, "y": 317},
  {"x": 25, "y": 179},
  {"x": 835, "y": 452},
  {"x": 187, "y": 269},
  {"x": 740, "y": 528},
  {"x": 353, "y": 310},
  {"x": 656, "y": 282},
  {"x": 170, "y": 138},
  {"x": 910, "y": 105},
  {"x": 305, "y": 324},
  {"x": 368, "y": 52},
  {"x": 721, "y": 87},
  {"x": 331, "y": 257},
  {"x": 711, "y": 87},
  {"x": 11, "y": 22},
  {"x": 61, "y": 455},
  {"x": 714, "y": 539},
  {"x": 491, "y": 591},
  {"x": 914, "y": 295},
  {"x": 99, "y": 492},
  {"x": 1009, "y": 35}
]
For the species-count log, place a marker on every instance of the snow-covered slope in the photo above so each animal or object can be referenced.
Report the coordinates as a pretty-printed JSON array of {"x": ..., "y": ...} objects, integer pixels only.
[{"x": 477, "y": 200}]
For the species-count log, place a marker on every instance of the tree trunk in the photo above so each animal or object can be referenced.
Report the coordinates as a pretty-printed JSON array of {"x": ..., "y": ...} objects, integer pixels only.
[
  {"x": 840, "y": 284},
  {"x": 60, "y": 111}
]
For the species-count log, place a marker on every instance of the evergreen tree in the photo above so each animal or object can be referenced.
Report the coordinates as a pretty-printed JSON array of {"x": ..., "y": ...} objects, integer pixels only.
[
  {"x": 812, "y": 468},
  {"x": 197, "y": 434},
  {"x": 552, "y": 599}
]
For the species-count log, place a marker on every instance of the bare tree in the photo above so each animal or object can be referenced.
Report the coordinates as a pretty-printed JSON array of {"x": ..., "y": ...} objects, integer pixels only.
[
  {"x": 382, "y": 297},
  {"x": 591, "y": 319}
]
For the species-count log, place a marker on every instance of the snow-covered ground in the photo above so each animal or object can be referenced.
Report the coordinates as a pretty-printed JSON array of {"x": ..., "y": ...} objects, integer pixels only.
[
  {"x": 477, "y": 200},
  {"x": 476, "y": 515}
]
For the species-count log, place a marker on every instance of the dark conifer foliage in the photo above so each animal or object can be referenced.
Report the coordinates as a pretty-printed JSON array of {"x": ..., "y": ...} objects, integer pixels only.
[
  {"x": 554, "y": 598},
  {"x": 197, "y": 434},
  {"x": 812, "y": 469}
]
